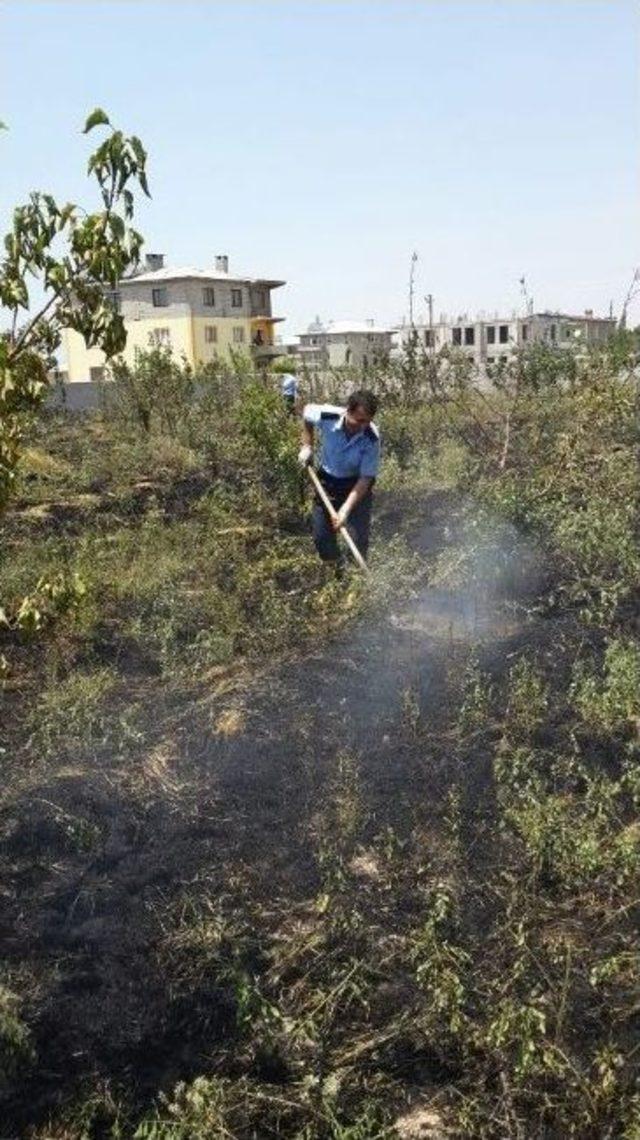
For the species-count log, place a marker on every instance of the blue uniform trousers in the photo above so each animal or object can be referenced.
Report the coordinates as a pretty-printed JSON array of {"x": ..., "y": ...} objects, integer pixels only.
[{"x": 359, "y": 524}]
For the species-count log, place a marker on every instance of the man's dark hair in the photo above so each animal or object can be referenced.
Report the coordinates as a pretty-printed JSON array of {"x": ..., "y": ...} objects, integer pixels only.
[{"x": 364, "y": 399}]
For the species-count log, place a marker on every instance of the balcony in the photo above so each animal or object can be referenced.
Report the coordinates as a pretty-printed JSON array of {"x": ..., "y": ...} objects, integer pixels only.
[
  {"x": 265, "y": 350},
  {"x": 262, "y": 345}
]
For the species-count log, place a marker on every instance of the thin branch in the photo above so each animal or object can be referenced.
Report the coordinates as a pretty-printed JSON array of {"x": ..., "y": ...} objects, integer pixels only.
[
  {"x": 25, "y": 335},
  {"x": 507, "y": 440}
]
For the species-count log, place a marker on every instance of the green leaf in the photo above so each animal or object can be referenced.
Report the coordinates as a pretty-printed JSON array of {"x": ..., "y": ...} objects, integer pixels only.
[
  {"x": 3, "y": 126},
  {"x": 138, "y": 150},
  {"x": 117, "y": 227},
  {"x": 95, "y": 119}
]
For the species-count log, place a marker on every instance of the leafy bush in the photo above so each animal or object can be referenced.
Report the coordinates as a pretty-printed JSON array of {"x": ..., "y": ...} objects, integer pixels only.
[
  {"x": 155, "y": 393},
  {"x": 267, "y": 429}
]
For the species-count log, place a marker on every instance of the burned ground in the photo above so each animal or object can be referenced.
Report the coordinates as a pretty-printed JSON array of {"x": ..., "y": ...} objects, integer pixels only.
[
  {"x": 221, "y": 811},
  {"x": 284, "y": 857}
]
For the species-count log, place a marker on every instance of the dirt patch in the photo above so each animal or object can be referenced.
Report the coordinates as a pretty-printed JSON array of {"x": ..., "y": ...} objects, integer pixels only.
[{"x": 421, "y": 1124}]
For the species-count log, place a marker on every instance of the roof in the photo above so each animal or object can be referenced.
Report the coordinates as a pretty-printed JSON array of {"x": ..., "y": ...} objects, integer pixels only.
[
  {"x": 574, "y": 317},
  {"x": 186, "y": 272},
  {"x": 341, "y": 328},
  {"x": 496, "y": 319}
]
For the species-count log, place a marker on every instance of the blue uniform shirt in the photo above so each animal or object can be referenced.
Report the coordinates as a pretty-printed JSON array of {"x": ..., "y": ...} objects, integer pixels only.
[
  {"x": 341, "y": 455},
  {"x": 288, "y": 384}
]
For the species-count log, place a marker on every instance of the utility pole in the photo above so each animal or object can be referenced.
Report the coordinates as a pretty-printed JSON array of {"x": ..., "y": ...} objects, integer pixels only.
[
  {"x": 414, "y": 258},
  {"x": 528, "y": 300},
  {"x": 429, "y": 300},
  {"x": 632, "y": 293}
]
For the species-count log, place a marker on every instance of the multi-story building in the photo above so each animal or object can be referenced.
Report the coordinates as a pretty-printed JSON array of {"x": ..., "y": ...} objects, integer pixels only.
[
  {"x": 200, "y": 314},
  {"x": 341, "y": 343},
  {"x": 487, "y": 339}
]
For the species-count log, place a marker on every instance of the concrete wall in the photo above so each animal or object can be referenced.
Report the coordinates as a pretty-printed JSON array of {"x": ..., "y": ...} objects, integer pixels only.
[{"x": 74, "y": 397}]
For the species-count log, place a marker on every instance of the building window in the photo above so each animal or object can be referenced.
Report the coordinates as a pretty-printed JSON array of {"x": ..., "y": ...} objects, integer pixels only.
[
  {"x": 238, "y": 334},
  {"x": 491, "y": 334},
  {"x": 552, "y": 333},
  {"x": 96, "y": 375},
  {"x": 209, "y": 297},
  {"x": 566, "y": 332},
  {"x": 261, "y": 300},
  {"x": 236, "y": 298},
  {"x": 489, "y": 360},
  {"x": 503, "y": 334},
  {"x": 525, "y": 332},
  {"x": 160, "y": 298},
  {"x": 160, "y": 338},
  {"x": 456, "y": 336},
  {"x": 470, "y": 335},
  {"x": 429, "y": 339},
  {"x": 210, "y": 334}
]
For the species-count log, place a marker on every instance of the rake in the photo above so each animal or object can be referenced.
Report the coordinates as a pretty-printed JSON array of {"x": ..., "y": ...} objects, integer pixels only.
[{"x": 326, "y": 501}]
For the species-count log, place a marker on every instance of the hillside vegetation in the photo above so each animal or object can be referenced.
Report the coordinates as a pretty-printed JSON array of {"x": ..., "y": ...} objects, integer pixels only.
[{"x": 285, "y": 856}]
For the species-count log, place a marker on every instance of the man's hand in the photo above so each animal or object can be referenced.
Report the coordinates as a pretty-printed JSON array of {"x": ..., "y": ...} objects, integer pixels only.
[
  {"x": 341, "y": 517},
  {"x": 305, "y": 455}
]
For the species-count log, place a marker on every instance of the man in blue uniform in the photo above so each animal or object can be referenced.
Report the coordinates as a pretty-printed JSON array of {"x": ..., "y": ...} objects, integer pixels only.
[
  {"x": 289, "y": 389},
  {"x": 349, "y": 462}
]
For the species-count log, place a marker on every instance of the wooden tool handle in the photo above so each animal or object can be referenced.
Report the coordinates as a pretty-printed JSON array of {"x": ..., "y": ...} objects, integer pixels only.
[{"x": 333, "y": 515}]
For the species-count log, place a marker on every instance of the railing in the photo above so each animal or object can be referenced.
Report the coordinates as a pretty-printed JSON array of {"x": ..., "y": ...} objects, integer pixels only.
[{"x": 263, "y": 350}]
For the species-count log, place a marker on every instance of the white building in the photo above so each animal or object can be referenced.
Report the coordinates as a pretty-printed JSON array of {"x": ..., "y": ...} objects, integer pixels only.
[
  {"x": 343, "y": 343},
  {"x": 488, "y": 338}
]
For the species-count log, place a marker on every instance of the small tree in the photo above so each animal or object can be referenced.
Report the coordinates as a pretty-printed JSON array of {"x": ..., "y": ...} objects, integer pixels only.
[
  {"x": 75, "y": 259},
  {"x": 155, "y": 393}
]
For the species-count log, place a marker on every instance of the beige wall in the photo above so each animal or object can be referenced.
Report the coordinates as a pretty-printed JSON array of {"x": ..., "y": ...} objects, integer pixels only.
[
  {"x": 224, "y": 344},
  {"x": 187, "y": 338},
  {"x": 78, "y": 359}
]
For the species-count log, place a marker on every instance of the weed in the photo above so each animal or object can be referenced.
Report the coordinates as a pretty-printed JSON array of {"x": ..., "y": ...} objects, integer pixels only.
[
  {"x": 16, "y": 1047},
  {"x": 611, "y": 702},
  {"x": 74, "y": 713},
  {"x": 527, "y": 700}
]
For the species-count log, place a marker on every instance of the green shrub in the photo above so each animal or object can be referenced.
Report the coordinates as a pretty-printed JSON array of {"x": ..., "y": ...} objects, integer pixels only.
[{"x": 269, "y": 432}]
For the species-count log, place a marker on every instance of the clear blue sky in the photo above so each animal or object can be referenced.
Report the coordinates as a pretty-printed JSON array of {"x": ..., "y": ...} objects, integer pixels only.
[{"x": 324, "y": 142}]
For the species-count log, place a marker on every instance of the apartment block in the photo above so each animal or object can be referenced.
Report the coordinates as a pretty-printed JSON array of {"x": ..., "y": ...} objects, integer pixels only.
[
  {"x": 200, "y": 314},
  {"x": 342, "y": 343},
  {"x": 488, "y": 338}
]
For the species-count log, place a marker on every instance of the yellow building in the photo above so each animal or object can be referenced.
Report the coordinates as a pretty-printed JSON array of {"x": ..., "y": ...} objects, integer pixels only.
[{"x": 200, "y": 314}]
